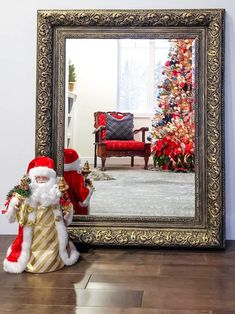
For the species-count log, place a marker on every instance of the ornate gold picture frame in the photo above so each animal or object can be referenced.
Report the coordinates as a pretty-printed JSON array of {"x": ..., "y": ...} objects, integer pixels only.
[{"x": 207, "y": 27}]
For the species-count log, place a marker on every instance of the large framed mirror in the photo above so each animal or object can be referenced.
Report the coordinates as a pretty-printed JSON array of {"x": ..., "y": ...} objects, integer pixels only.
[{"x": 156, "y": 75}]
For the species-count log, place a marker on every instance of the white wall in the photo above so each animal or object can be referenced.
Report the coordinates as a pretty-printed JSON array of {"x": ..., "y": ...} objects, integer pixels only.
[
  {"x": 18, "y": 80},
  {"x": 96, "y": 64}
]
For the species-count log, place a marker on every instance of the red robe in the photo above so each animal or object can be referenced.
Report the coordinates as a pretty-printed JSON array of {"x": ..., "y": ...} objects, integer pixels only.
[{"x": 77, "y": 191}]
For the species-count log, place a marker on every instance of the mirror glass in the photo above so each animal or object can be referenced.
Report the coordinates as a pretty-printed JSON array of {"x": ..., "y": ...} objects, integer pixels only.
[{"x": 154, "y": 80}]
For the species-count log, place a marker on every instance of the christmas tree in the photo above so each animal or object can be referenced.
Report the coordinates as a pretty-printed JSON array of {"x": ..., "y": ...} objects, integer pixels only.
[{"x": 173, "y": 133}]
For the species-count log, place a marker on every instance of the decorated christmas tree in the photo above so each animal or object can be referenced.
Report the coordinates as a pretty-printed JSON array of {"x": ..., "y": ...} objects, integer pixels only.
[{"x": 173, "y": 132}]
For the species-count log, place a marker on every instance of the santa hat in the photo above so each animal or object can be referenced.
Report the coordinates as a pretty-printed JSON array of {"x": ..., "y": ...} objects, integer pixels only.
[
  {"x": 71, "y": 160},
  {"x": 41, "y": 166}
]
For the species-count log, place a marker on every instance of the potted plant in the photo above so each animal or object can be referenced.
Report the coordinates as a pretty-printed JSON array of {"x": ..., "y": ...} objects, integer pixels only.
[{"x": 72, "y": 76}]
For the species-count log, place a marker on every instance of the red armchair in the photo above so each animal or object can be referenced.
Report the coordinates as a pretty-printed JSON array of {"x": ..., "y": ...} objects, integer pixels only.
[{"x": 105, "y": 147}]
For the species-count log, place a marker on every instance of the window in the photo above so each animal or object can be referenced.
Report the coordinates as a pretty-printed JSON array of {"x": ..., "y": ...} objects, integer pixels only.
[{"x": 140, "y": 67}]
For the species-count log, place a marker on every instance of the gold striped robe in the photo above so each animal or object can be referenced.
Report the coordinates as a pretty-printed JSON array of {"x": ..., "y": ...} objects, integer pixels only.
[{"x": 44, "y": 251}]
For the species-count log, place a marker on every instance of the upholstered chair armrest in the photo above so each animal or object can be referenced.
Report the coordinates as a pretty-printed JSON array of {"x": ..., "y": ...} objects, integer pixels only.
[
  {"x": 143, "y": 130},
  {"x": 98, "y": 133}
]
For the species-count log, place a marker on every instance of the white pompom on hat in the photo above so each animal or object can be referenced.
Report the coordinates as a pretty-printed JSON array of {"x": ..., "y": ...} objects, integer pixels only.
[
  {"x": 41, "y": 166},
  {"x": 71, "y": 160}
]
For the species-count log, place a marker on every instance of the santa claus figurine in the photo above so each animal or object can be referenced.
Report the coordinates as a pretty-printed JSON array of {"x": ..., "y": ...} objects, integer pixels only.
[
  {"x": 42, "y": 244},
  {"x": 79, "y": 192}
]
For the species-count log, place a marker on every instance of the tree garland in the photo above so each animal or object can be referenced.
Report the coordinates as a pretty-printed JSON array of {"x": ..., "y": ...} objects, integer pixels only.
[{"x": 21, "y": 189}]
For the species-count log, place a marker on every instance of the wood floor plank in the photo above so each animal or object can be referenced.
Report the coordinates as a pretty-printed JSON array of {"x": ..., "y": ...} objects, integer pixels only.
[
  {"x": 143, "y": 256},
  {"x": 220, "y": 258},
  {"x": 95, "y": 310},
  {"x": 223, "y": 312},
  {"x": 136, "y": 311},
  {"x": 78, "y": 297},
  {"x": 39, "y": 296},
  {"x": 189, "y": 300},
  {"x": 195, "y": 271},
  {"x": 126, "y": 281},
  {"x": 30, "y": 309},
  {"x": 5, "y": 242},
  {"x": 5, "y": 239},
  {"x": 49, "y": 280},
  {"x": 113, "y": 268},
  {"x": 163, "y": 283}
]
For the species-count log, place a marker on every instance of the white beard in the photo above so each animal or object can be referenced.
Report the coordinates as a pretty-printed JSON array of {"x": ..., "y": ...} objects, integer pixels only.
[{"x": 44, "y": 194}]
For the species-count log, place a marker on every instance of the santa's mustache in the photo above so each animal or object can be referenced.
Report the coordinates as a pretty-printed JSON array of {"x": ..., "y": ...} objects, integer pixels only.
[{"x": 45, "y": 193}]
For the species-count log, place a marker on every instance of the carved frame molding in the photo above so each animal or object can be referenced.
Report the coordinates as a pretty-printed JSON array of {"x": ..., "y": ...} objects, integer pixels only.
[{"x": 49, "y": 120}]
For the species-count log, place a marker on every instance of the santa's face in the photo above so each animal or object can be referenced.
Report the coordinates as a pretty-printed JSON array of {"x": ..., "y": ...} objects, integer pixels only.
[{"x": 41, "y": 179}]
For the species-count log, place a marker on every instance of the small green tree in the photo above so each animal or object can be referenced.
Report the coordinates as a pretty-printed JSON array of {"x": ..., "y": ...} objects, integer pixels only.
[{"x": 72, "y": 72}]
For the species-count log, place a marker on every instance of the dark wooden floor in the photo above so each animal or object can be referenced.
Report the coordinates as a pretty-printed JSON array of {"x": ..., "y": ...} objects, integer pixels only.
[{"x": 127, "y": 281}]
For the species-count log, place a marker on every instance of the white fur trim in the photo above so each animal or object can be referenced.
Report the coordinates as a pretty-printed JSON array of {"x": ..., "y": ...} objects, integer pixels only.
[
  {"x": 63, "y": 241},
  {"x": 73, "y": 166},
  {"x": 74, "y": 254},
  {"x": 41, "y": 171},
  {"x": 11, "y": 212},
  {"x": 20, "y": 265},
  {"x": 68, "y": 217}
]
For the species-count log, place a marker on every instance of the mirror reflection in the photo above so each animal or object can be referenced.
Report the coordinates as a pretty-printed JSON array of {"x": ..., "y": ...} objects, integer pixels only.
[{"x": 129, "y": 127}]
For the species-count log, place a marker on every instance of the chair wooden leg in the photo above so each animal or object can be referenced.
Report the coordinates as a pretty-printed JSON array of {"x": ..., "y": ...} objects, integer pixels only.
[
  {"x": 95, "y": 158},
  {"x": 132, "y": 161},
  {"x": 146, "y": 160},
  {"x": 103, "y": 164}
]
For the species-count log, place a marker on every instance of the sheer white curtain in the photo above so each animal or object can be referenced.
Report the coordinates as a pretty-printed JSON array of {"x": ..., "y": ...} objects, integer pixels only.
[{"x": 140, "y": 72}]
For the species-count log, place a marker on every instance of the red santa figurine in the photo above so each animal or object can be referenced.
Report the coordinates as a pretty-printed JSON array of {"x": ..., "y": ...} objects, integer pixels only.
[
  {"x": 78, "y": 191},
  {"x": 42, "y": 244}
]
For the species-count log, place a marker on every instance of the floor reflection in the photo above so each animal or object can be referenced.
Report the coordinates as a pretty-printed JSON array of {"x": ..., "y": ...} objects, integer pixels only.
[{"x": 137, "y": 192}]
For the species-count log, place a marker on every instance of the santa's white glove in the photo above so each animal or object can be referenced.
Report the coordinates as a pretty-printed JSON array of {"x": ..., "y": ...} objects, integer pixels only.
[
  {"x": 83, "y": 204},
  {"x": 12, "y": 208},
  {"x": 87, "y": 200}
]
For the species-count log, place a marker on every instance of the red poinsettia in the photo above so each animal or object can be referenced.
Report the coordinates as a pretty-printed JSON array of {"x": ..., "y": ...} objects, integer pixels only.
[{"x": 171, "y": 153}]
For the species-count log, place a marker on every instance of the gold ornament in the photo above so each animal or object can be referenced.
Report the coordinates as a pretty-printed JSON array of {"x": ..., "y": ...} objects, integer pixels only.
[
  {"x": 85, "y": 172},
  {"x": 86, "y": 169},
  {"x": 63, "y": 186}
]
